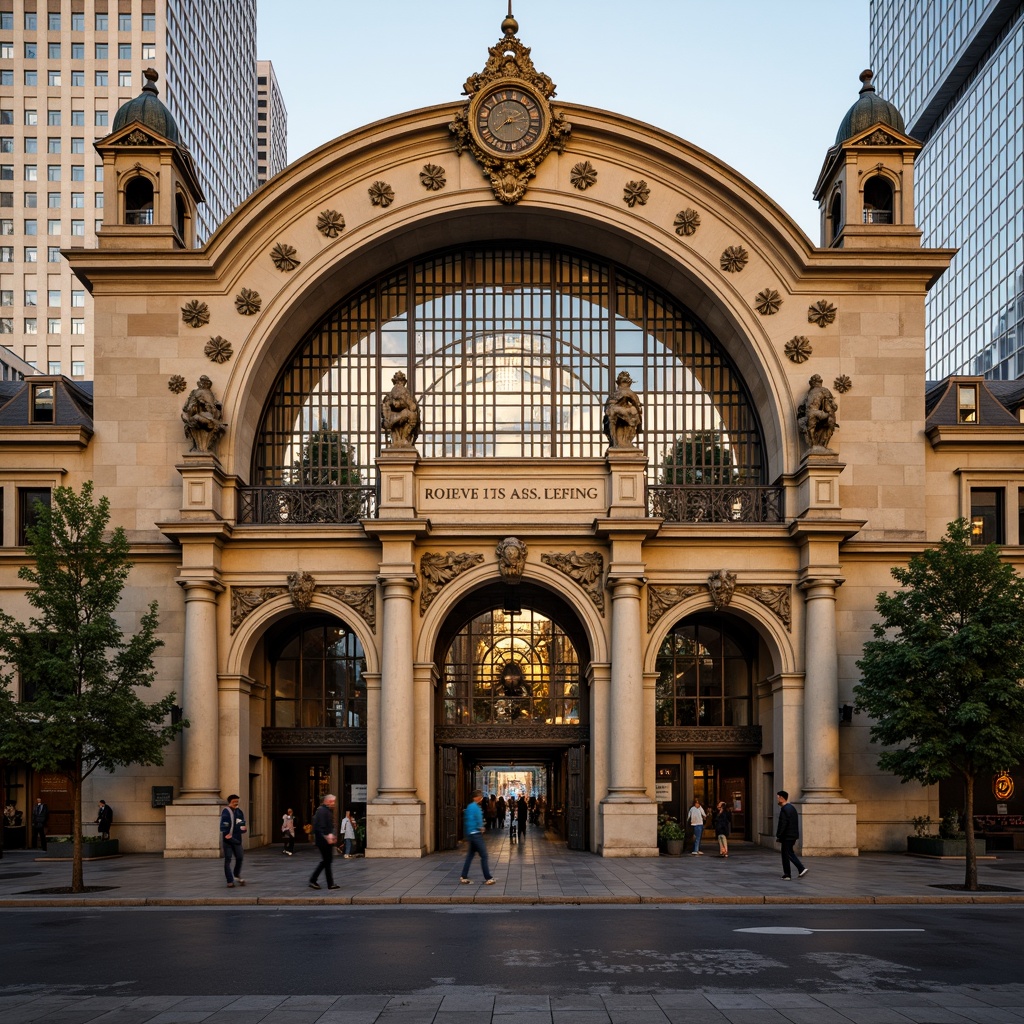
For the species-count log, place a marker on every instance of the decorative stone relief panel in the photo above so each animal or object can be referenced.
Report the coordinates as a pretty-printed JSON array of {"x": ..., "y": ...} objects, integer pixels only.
[
  {"x": 363, "y": 600},
  {"x": 776, "y": 599},
  {"x": 661, "y": 598},
  {"x": 585, "y": 569},
  {"x": 247, "y": 599},
  {"x": 437, "y": 570}
]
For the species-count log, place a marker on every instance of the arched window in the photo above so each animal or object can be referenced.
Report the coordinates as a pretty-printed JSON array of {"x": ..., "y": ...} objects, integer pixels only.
[
  {"x": 877, "y": 200},
  {"x": 705, "y": 673},
  {"x": 511, "y": 352},
  {"x": 317, "y": 676},
  {"x": 138, "y": 201},
  {"x": 180, "y": 212},
  {"x": 836, "y": 215},
  {"x": 507, "y": 668}
]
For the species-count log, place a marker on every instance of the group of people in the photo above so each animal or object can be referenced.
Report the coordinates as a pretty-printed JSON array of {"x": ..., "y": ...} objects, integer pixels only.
[
  {"x": 325, "y": 835},
  {"x": 787, "y": 833},
  {"x": 496, "y": 810}
]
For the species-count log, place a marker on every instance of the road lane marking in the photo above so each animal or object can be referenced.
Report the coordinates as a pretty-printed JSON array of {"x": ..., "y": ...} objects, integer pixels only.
[{"x": 812, "y": 931}]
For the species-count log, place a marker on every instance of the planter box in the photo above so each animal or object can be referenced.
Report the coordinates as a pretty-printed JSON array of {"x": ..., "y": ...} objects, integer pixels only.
[
  {"x": 933, "y": 846},
  {"x": 98, "y": 848}
]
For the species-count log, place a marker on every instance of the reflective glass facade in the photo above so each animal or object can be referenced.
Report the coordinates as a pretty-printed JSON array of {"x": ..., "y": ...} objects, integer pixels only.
[{"x": 956, "y": 72}]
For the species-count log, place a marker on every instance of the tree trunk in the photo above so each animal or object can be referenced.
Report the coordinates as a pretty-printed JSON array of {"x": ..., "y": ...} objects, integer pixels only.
[
  {"x": 971, "y": 860},
  {"x": 75, "y": 779}
]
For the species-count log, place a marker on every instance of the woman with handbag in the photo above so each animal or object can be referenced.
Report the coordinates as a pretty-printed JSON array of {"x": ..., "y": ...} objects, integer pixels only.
[{"x": 288, "y": 832}]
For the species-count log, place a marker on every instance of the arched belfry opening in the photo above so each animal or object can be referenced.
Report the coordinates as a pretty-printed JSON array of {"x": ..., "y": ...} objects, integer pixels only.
[
  {"x": 878, "y": 200},
  {"x": 138, "y": 200},
  {"x": 512, "y": 708}
]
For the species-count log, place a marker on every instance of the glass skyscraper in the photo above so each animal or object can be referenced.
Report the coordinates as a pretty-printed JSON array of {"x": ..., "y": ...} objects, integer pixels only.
[{"x": 955, "y": 69}]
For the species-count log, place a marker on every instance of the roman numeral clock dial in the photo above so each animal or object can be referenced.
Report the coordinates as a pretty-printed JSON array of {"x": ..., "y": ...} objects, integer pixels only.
[{"x": 509, "y": 121}]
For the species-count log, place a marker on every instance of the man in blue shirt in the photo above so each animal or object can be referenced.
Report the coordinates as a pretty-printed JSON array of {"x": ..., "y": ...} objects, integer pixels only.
[
  {"x": 473, "y": 822},
  {"x": 232, "y": 829}
]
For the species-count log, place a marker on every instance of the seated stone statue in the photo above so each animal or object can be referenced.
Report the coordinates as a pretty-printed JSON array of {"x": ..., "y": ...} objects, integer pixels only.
[
  {"x": 201, "y": 415},
  {"x": 816, "y": 417},
  {"x": 623, "y": 414},
  {"x": 400, "y": 413}
]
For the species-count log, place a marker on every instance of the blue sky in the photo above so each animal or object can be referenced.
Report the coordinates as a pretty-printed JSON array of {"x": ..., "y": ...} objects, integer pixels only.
[{"x": 762, "y": 84}]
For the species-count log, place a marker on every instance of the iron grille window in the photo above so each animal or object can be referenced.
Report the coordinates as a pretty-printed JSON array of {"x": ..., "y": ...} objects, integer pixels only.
[
  {"x": 705, "y": 675},
  {"x": 505, "y": 669},
  {"x": 511, "y": 352}
]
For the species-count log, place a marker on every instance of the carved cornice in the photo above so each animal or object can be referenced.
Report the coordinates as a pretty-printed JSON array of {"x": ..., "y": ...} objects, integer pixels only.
[
  {"x": 506, "y": 733},
  {"x": 437, "y": 570},
  {"x": 363, "y": 600},
  {"x": 585, "y": 569},
  {"x": 311, "y": 739},
  {"x": 747, "y": 737}
]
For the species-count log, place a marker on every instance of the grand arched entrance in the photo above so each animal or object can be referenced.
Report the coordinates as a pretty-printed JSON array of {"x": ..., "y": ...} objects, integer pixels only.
[{"x": 512, "y": 714}]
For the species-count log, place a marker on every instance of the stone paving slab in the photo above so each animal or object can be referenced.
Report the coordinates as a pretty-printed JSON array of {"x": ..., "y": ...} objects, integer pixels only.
[{"x": 537, "y": 871}]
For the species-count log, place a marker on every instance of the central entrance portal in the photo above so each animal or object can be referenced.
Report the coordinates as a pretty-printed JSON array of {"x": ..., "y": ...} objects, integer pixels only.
[{"x": 513, "y": 709}]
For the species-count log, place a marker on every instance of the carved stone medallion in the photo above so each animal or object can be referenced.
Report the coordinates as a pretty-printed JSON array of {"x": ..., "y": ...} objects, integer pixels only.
[
  {"x": 301, "y": 587},
  {"x": 511, "y": 554},
  {"x": 636, "y": 193},
  {"x": 433, "y": 178},
  {"x": 285, "y": 257},
  {"x": 798, "y": 349},
  {"x": 767, "y": 302},
  {"x": 508, "y": 123},
  {"x": 842, "y": 383},
  {"x": 821, "y": 313},
  {"x": 687, "y": 222},
  {"x": 583, "y": 175},
  {"x": 176, "y": 384},
  {"x": 330, "y": 223},
  {"x": 218, "y": 349},
  {"x": 585, "y": 569},
  {"x": 381, "y": 194},
  {"x": 195, "y": 313},
  {"x": 436, "y": 570},
  {"x": 733, "y": 259},
  {"x": 721, "y": 585},
  {"x": 248, "y": 302}
]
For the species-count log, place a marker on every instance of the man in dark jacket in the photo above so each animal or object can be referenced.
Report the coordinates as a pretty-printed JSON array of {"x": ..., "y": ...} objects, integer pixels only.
[
  {"x": 232, "y": 830},
  {"x": 40, "y": 816},
  {"x": 325, "y": 837},
  {"x": 787, "y": 834},
  {"x": 104, "y": 819}
]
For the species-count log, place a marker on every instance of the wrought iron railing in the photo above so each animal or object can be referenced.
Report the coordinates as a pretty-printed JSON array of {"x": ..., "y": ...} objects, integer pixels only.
[
  {"x": 702, "y": 503},
  {"x": 306, "y": 505}
]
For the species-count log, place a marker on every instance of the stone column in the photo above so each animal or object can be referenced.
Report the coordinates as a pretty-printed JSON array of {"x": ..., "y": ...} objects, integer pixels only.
[{"x": 191, "y": 825}]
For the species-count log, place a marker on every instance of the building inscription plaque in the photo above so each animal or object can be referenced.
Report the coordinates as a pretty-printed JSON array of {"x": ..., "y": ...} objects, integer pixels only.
[{"x": 510, "y": 493}]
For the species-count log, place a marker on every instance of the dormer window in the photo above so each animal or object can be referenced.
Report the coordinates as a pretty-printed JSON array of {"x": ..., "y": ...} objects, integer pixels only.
[
  {"x": 42, "y": 403},
  {"x": 878, "y": 201},
  {"x": 138, "y": 201},
  {"x": 967, "y": 403}
]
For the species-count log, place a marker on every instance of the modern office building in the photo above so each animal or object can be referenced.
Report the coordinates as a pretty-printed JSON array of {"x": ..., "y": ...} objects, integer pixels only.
[
  {"x": 271, "y": 124},
  {"x": 956, "y": 71},
  {"x": 499, "y": 446},
  {"x": 65, "y": 68}
]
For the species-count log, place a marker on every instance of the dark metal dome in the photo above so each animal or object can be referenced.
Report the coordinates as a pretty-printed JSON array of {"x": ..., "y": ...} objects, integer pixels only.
[
  {"x": 148, "y": 110},
  {"x": 869, "y": 109}
]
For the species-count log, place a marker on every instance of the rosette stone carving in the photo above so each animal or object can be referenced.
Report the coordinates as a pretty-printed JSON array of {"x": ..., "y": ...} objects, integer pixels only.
[
  {"x": 798, "y": 349},
  {"x": 767, "y": 302},
  {"x": 218, "y": 349},
  {"x": 363, "y": 600},
  {"x": 585, "y": 569},
  {"x": 246, "y": 599},
  {"x": 195, "y": 313},
  {"x": 733, "y": 259},
  {"x": 661, "y": 598},
  {"x": 583, "y": 175},
  {"x": 635, "y": 193},
  {"x": 433, "y": 178},
  {"x": 842, "y": 383},
  {"x": 437, "y": 570},
  {"x": 381, "y": 194},
  {"x": 176, "y": 384},
  {"x": 687, "y": 222},
  {"x": 821, "y": 313},
  {"x": 248, "y": 302},
  {"x": 330, "y": 223},
  {"x": 285, "y": 257}
]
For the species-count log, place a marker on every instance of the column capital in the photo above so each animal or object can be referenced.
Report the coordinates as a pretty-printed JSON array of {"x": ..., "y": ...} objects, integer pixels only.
[
  {"x": 817, "y": 583},
  {"x": 619, "y": 583},
  {"x": 204, "y": 589}
]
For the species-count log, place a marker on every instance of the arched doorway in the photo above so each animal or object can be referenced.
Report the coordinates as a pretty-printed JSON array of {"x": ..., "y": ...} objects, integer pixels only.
[
  {"x": 705, "y": 726},
  {"x": 512, "y": 712}
]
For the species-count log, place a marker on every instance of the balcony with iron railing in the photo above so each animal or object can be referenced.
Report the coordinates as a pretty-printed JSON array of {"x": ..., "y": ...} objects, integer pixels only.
[
  {"x": 306, "y": 506},
  {"x": 708, "y": 503}
]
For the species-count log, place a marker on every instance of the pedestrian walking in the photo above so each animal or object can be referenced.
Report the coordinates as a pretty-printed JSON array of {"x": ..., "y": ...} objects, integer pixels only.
[
  {"x": 787, "y": 833},
  {"x": 104, "y": 819},
  {"x": 696, "y": 818},
  {"x": 473, "y": 822},
  {"x": 232, "y": 831},
  {"x": 288, "y": 832},
  {"x": 325, "y": 839},
  {"x": 723, "y": 827},
  {"x": 348, "y": 833},
  {"x": 40, "y": 816},
  {"x": 522, "y": 810},
  {"x": 501, "y": 812}
]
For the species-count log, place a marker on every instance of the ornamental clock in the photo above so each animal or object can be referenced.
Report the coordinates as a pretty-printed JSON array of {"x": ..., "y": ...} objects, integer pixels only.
[{"x": 508, "y": 121}]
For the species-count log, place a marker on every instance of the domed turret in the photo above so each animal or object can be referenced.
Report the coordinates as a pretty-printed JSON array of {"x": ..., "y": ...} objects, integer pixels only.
[
  {"x": 148, "y": 110},
  {"x": 869, "y": 109}
]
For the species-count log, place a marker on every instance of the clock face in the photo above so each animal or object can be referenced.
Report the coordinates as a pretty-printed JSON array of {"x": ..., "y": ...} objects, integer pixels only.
[{"x": 509, "y": 121}]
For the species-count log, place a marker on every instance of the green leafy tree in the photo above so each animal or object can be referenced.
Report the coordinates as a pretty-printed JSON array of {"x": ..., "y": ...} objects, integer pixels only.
[
  {"x": 327, "y": 459},
  {"x": 942, "y": 678},
  {"x": 79, "y": 710},
  {"x": 698, "y": 458}
]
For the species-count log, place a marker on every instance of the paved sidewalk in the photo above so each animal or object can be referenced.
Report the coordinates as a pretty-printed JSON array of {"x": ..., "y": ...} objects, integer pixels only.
[{"x": 540, "y": 870}]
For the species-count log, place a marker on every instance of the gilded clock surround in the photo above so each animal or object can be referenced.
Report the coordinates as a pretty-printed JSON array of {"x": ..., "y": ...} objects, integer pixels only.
[{"x": 508, "y": 123}]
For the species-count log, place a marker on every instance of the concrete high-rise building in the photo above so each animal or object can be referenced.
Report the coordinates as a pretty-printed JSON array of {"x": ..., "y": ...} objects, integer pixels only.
[
  {"x": 65, "y": 69},
  {"x": 271, "y": 124},
  {"x": 956, "y": 71}
]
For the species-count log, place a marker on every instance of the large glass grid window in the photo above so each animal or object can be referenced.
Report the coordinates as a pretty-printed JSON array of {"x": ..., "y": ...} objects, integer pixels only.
[
  {"x": 509, "y": 669},
  {"x": 705, "y": 674},
  {"x": 511, "y": 353},
  {"x": 317, "y": 674}
]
